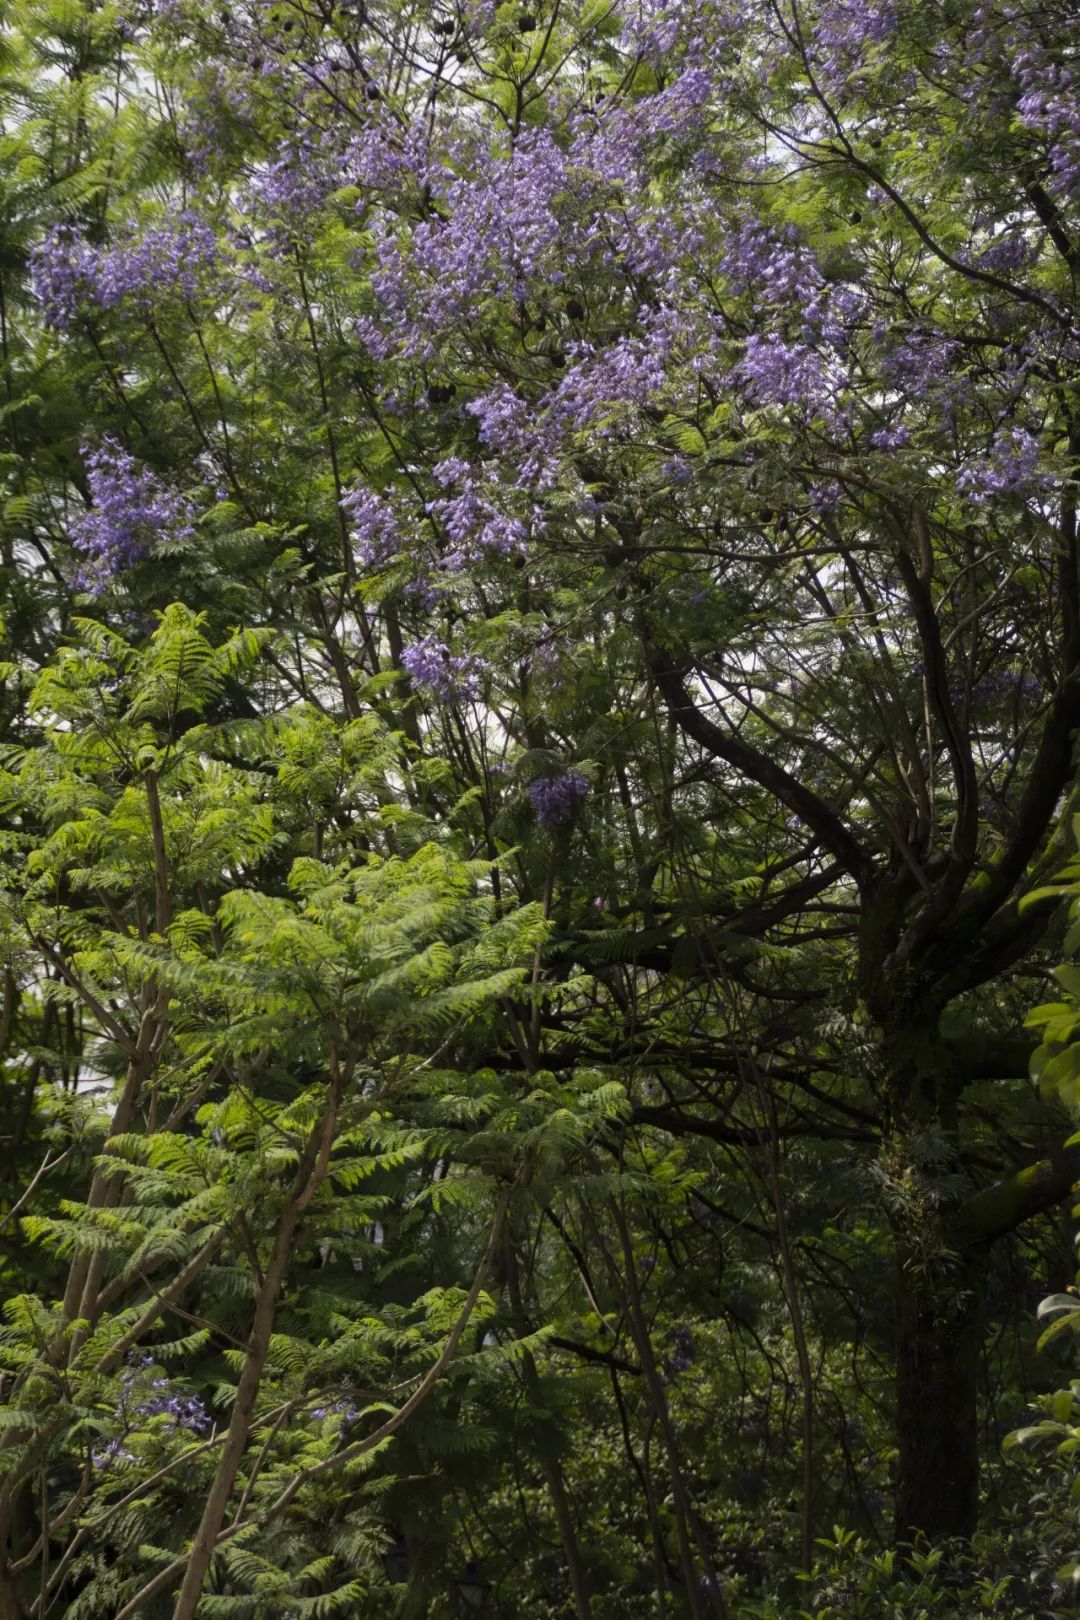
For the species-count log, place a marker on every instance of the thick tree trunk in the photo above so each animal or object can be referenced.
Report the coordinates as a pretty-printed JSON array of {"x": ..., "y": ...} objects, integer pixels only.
[
  {"x": 938, "y": 1318},
  {"x": 937, "y": 1423}
]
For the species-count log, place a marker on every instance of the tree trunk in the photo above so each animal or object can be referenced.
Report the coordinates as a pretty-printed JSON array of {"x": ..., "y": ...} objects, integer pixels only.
[
  {"x": 937, "y": 1423},
  {"x": 938, "y": 1317}
]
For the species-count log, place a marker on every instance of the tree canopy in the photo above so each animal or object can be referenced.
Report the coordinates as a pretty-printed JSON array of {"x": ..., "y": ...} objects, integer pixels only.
[{"x": 541, "y": 620}]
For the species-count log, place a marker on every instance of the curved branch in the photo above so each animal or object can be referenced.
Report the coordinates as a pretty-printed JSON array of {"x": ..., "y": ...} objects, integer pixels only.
[{"x": 834, "y": 834}]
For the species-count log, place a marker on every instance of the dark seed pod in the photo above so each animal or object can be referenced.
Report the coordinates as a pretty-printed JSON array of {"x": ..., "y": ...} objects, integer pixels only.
[
  {"x": 461, "y": 56},
  {"x": 440, "y": 394},
  {"x": 558, "y": 359},
  {"x": 644, "y": 584},
  {"x": 613, "y": 556},
  {"x": 855, "y": 218},
  {"x": 875, "y": 141},
  {"x": 445, "y": 28},
  {"x": 621, "y": 592},
  {"x": 373, "y": 93},
  {"x": 575, "y": 309},
  {"x": 526, "y": 22},
  {"x": 519, "y": 561}
]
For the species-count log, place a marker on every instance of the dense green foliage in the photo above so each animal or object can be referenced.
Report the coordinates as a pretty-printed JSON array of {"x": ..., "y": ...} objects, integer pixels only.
[{"x": 541, "y": 631}]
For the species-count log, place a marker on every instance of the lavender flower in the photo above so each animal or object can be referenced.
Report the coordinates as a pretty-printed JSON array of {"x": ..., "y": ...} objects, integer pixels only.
[
  {"x": 892, "y": 437},
  {"x": 105, "y": 1456},
  {"x": 1008, "y": 468},
  {"x": 142, "y": 1398},
  {"x": 61, "y": 271},
  {"x": 186, "y": 1411},
  {"x": 346, "y": 1410},
  {"x": 476, "y": 527},
  {"x": 775, "y": 372},
  {"x": 131, "y": 508},
  {"x": 165, "y": 259},
  {"x": 432, "y": 668},
  {"x": 294, "y": 184},
  {"x": 847, "y": 32},
  {"x": 555, "y": 797},
  {"x": 375, "y": 530},
  {"x": 66, "y": 272}
]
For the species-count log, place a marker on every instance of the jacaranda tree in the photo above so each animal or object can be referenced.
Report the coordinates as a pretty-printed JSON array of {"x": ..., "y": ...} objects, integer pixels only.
[{"x": 542, "y": 621}]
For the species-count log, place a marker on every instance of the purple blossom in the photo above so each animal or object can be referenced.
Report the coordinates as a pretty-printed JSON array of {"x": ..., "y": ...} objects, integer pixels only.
[
  {"x": 554, "y": 797},
  {"x": 376, "y": 534},
  {"x": 186, "y": 1411},
  {"x": 61, "y": 268},
  {"x": 1050, "y": 107},
  {"x": 131, "y": 508},
  {"x": 295, "y": 183},
  {"x": 894, "y": 436},
  {"x": 165, "y": 259},
  {"x": 1007, "y": 683},
  {"x": 431, "y": 667},
  {"x": 502, "y": 416},
  {"x": 1008, "y": 468},
  {"x": 347, "y": 1411},
  {"x": 476, "y": 524},
  {"x": 847, "y": 32},
  {"x": 150, "y": 1397},
  {"x": 920, "y": 364},
  {"x": 608, "y": 383},
  {"x": 114, "y": 1451},
  {"x": 780, "y": 275},
  {"x": 66, "y": 272},
  {"x": 775, "y": 372},
  {"x": 1006, "y": 254},
  {"x": 825, "y": 498}
]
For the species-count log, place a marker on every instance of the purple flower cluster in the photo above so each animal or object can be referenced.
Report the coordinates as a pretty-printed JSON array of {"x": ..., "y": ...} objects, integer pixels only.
[
  {"x": 1050, "y": 106},
  {"x": 376, "y": 534},
  {"x": 163, "y": 260},
  {"x": 433, "y": 668},
  {"x": 143, "y": 1397},
  {"x": 347, "y": 1411},
  {"x": 513, "y": 225},
  {"x": 775, "y": 372},
  {"x": 131, "y": 508},
  {"x": 474, "y": 524},
  {"x": 294, "y": 184},
  {"x": 655, "y": 28},
  {"x": 495, "y": 231},
  {"x": 113, "y": 1451},
  {"x": 782, "y": 277},
  {"x": 894, "y": 436},
  {"x": 61, "y": 270},
  {"x": 66, "y": 272},
  {"x": 554, "y": 798},
  {"x": 919, "y": 362},
  {"x": 1010, "y": 467},
  {"x": 628, "y": 373},
  {"x": 847, "y": 31},
  {"x": 185, "y": 1411},
  {"x": 1008, "y": 253}
]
